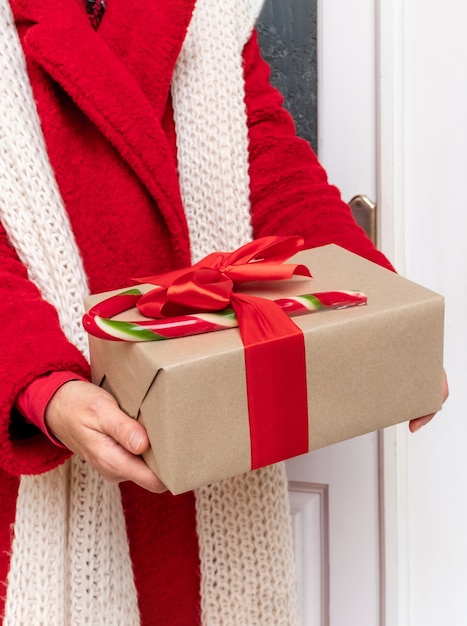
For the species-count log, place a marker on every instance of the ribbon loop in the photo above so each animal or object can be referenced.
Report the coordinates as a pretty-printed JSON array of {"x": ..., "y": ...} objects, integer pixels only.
[{"x": 208, "y": 285}]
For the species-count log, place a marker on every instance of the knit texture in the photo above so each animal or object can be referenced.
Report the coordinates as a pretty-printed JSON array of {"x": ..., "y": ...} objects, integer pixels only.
[
  {"x": 70, "y": 562},
  {"x": 209, "y": 113},
  {"x": 246, "y": 551}
]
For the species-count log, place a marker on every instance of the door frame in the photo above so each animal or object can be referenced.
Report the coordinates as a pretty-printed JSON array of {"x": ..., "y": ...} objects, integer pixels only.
[{"x": 393, "y": 442}]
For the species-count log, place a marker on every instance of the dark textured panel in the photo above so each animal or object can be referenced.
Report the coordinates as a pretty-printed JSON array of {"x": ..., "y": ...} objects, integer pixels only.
[{"x": 287, "y": 34}]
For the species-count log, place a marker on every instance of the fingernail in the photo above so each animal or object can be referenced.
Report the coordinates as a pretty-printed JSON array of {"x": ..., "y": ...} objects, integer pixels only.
[{"x": 135, "y": 440}]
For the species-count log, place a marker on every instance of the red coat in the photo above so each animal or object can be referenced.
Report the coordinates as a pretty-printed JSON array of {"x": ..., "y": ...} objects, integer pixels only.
[{"x": 104, "y": 102}]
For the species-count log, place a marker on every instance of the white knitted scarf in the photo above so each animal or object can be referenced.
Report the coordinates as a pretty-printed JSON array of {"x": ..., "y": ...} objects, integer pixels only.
[{"x": 70, "y": 563}]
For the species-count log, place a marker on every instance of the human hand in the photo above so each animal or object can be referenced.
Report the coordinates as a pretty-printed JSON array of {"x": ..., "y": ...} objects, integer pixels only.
[
  {"x": 88, "y": 421},
  {"x": 416, "y": 424}
]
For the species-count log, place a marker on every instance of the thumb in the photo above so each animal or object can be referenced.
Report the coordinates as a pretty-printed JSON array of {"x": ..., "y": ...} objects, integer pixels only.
[
  {"x": 137, "y": 440},
  {"x": 126, "y": 431}
]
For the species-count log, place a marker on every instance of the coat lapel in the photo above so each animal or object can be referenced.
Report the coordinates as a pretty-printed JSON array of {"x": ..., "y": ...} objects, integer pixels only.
[{"x": 106, "y": 74}]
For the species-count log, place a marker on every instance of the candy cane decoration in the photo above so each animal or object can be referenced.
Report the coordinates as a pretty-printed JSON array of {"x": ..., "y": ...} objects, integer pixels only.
[{"x": 97, "y": 321}]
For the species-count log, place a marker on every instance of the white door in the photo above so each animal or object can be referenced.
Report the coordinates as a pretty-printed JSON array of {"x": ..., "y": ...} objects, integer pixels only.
[{"x": 337, "y": 493}]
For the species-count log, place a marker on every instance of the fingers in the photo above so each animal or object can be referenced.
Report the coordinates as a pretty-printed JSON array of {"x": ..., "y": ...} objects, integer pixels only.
[
  {"x": 116, "y": 464},
  {"x": 88, "y": 420},
  {"x": 123, "y": 429},
  {"x": 416, "y": 424}
]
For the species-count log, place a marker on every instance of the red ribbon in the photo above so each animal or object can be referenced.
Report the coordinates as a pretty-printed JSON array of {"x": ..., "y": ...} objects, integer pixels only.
[{"x": 274, "y": 345}]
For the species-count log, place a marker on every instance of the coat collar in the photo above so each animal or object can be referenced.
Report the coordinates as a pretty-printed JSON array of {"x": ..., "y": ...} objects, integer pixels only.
[{"x": 105, "y": 73}]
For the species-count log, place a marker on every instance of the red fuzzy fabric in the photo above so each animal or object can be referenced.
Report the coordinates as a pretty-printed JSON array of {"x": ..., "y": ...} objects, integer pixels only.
[{"x": 104, "y": 103}]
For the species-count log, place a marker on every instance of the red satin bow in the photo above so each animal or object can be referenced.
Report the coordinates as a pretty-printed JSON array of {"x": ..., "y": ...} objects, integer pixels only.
[
  {"x": 274, "y": 345},
  {"x": 209, "y": 284}
]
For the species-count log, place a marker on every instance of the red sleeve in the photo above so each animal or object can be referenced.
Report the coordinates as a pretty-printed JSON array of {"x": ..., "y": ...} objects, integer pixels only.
[
  {"x": 31, "y": 344},
  {"x": 33, "y": 400},
  {"x": 290, "y": 193}
]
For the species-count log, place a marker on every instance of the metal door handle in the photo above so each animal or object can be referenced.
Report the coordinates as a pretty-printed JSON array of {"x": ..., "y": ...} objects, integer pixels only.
[{"x": 364, "y": 212}]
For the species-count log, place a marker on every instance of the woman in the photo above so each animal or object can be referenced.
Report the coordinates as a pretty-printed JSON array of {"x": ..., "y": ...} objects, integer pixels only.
[{"x": 132, "y": 142}]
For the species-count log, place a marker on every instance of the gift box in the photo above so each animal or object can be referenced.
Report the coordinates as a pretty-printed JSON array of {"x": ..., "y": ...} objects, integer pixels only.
[{"x": 367, "y": 367}]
